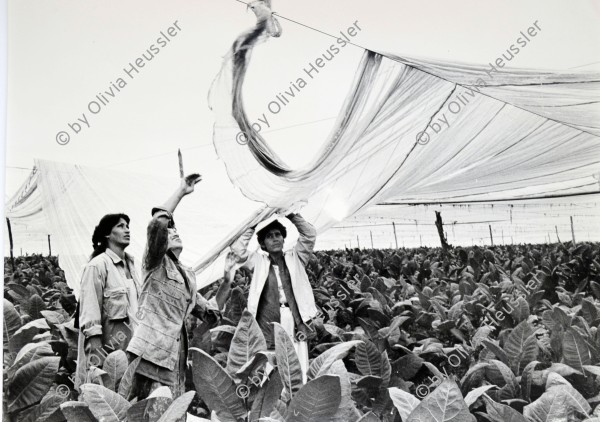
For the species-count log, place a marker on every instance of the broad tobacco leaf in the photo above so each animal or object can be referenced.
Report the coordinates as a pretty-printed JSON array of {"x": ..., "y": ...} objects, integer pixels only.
[
  {"x": 497, "y": 412},
  {"x": 267, "y": 397},
  {"x": 521, "y": 347},
  {"x": 47, "y": 407},
  {"x": 247, "y": 341},
  {"x": 25, "y": 334},
  {"x": 104, "y": 403},
  {"x": 115, "y": 365},
  {"x": 149, "y": 409},
  {"x": 29, "y": 353},
  {"x": 407, "y": 366},
  {"x": 31, "y": 382},
  {"x": 557, "y": 403},
  {"x": 76, "y": 411},
  {"x": 445, "y": 404},
  {"x": 320, "y": 365},
  {"x": 216, "y": 387},
  {"x": 368, "y": 359},
  {"x": 318, "y": 400},
  {"x": 346, "y": 409},
  {"x": 128, "y": 377},
  {"x": 497, "y": 351},
  {"x": 287, "y": 362},
  {"x": 12, "y": 322},
  {"x": 178, "y": 408},
  {"x": 576, "y": 353},
  {"x": 473, "y": 395},
  {"x": 526, "y": 379},
  {"x": 404, "y": 402}
]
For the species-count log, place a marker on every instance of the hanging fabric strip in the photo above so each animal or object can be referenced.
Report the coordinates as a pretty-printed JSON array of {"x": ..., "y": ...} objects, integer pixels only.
[{"x": 414, "y": 130}]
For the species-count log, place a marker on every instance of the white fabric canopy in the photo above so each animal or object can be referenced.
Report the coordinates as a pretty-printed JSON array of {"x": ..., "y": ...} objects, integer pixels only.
[
  {"x": 67, "y": 202},
  {"x": 410, "y": 131},
  {"x": 507, "y": 135}
]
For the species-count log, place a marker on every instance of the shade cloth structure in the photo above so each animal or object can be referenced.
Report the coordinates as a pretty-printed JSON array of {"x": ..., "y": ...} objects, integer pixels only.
[
  {"x": 509, "y": 134},
  {"x": 68, "y": 200}
]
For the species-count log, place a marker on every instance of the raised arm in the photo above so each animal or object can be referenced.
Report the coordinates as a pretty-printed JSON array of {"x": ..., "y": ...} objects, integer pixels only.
[
  {"x": 241, "y": 256},
  {"x": 158, "y": 238},
  {"x": 306, "y": 239},
  {"x": 186, "y": 187},
  {"x": 162, "y": 218},
  {"x": 228, "y": 275}
]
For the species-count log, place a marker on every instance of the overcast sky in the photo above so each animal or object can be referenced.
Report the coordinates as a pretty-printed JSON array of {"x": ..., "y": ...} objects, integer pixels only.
[{"x": 61, "y": 54}]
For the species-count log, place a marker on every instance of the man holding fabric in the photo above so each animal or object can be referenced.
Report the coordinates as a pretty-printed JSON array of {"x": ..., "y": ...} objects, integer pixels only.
[{"x": 280, "y": 291}]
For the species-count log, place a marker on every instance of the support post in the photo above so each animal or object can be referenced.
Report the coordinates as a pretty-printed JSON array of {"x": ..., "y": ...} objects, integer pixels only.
[
  {"x": 49, "y": 247},
  {"x": 395, "y": 237},
  {"x": 491, "y": 237},
  {"x": 440, "y": 228},
  {"x": 572, "y": 231},
  {"x": 10, "y": 239},
  {"x": 558, "y": 238},
  {"x": 371, "y": 233},
  {"x": 358, "y": 241}
]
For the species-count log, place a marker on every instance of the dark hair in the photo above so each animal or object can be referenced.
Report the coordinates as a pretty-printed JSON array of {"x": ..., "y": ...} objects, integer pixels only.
[
  {"x": 274, "y": 225},
  {"x": 102, "y": 230}
]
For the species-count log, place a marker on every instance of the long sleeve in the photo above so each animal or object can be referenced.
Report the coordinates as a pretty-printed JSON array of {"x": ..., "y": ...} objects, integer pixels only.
[
  {"x": 92, "y": 288},
  {"x": 243, "y": 257},
  {"x": 306, "y": 239},
  {"x": 158, "y": 239}
]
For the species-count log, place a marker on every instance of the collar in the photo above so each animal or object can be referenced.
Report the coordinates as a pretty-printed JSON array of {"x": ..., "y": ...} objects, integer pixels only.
[
  {"x": 115, "y": 258},
  {"x": 275, "y": 261}
]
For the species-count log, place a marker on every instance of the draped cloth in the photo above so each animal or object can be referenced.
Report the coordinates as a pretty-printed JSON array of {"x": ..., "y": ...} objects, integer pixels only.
[
  {"x": 510, "y": 134},
  {"x": 66, "y": 201},
  {"x": 301, "y": 347}
]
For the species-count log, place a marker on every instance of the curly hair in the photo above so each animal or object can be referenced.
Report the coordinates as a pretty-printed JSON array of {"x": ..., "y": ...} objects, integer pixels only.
[
  {"x": 274, "y": 225},
  {"x": 102, "y": 230}
]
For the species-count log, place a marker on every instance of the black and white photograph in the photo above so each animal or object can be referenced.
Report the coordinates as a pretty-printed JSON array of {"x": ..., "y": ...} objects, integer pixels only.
[{"x": 301, "y": 211}]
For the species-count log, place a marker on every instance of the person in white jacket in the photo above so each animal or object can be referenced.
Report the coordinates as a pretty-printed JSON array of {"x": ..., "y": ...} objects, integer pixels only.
[{"x": 280, "y": 291}]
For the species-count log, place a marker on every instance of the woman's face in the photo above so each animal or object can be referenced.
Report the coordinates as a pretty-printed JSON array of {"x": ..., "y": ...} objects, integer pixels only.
[
  {"x": 174, "y": 242},
  {"x": 119, "y": 234}
]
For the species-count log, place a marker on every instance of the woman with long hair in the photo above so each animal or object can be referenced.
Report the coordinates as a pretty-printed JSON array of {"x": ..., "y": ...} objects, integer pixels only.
[
  {"x": 109, "y": 295},
  {"x": 169, "y": 295}
]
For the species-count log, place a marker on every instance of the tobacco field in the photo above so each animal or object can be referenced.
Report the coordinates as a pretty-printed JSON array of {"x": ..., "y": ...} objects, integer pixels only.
[{"x": 500, "y": 334}]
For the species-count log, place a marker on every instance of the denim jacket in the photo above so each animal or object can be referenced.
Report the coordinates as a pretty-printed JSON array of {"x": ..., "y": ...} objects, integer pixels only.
[{"x": 166, "y": 300}]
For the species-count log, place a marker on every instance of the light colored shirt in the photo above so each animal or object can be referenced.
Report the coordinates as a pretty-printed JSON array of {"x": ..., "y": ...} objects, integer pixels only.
[
  {"x": 107, "y": 293},
  {"x": 295, "y": 259},
  {"x": 282, "y": 298}
]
